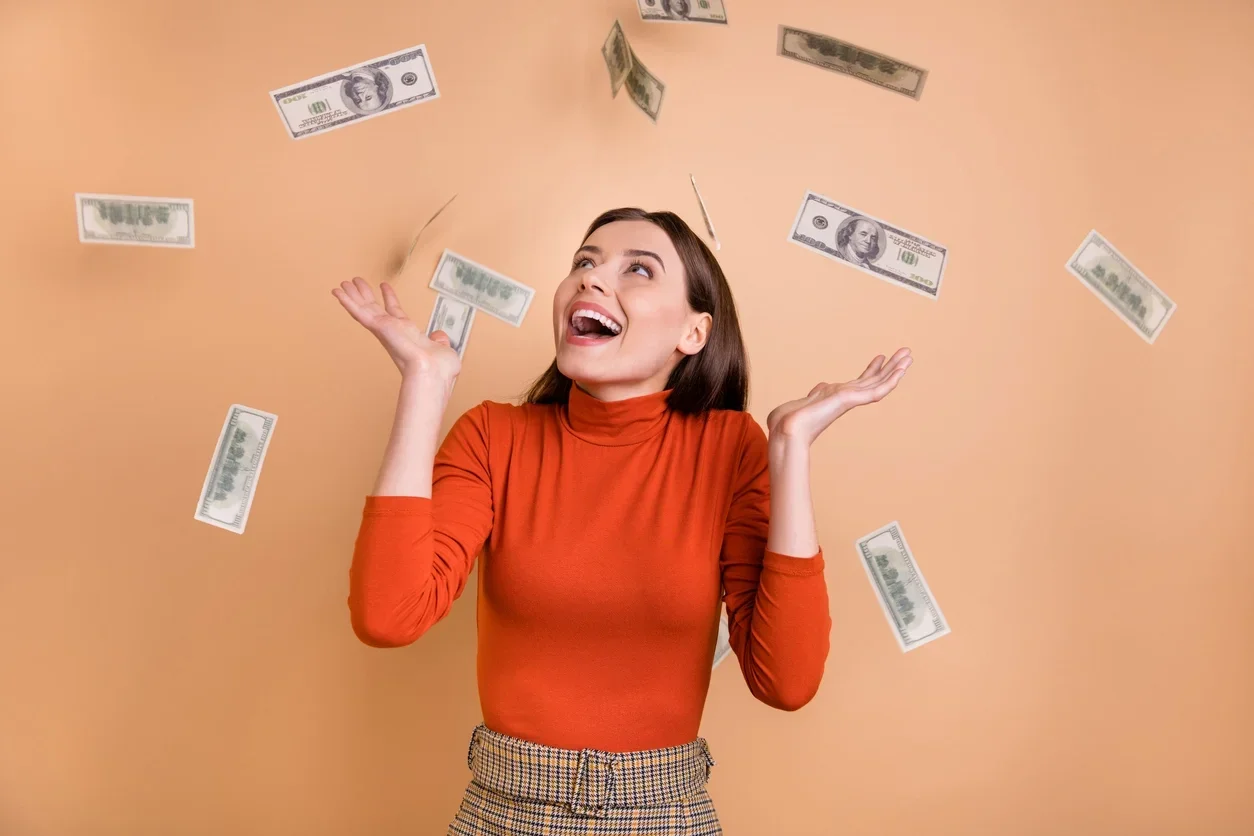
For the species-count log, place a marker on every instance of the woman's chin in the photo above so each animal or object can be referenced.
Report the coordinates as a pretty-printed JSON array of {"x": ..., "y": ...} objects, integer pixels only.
[{"x": 579, "y": 369}]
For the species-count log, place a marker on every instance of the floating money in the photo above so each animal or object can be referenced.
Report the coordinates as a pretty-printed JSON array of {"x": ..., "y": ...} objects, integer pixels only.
[
  {"x": 912, "y": 612},
  {"x": 227, "y": 495},
  {"x": 645, "y": 89},
  {"x": 1123, "y": 288},
  {"x": 704, "y": 214},
  {"x": 617, "y": 55},
  {"x": 869, "y": 244},
  {"x": 842, "y": 57},
  {"x": 125, "y": 219},
  {"x": 352, "y": 94},
  {"x": 681, "y": 11},
  {"x": 453, "y": 318},
  {"x": 404, "y": 262},
  {"x": 724, "y": 640},
  {"x": 487, "y": 290}
]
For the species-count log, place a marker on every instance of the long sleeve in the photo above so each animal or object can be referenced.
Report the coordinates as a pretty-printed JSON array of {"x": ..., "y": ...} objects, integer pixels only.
[
  {"x": 779, "y": 620},
  {"x": 413, "y": 555}
]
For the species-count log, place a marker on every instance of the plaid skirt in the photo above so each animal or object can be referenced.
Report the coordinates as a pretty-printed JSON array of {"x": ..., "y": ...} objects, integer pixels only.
[{"x": 521, "y": 788}]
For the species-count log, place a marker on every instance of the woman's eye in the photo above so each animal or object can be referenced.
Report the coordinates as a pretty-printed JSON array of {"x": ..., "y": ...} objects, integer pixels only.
[
  {"x": 581, "y": 262},
  {"x": 642, "y": 270}
]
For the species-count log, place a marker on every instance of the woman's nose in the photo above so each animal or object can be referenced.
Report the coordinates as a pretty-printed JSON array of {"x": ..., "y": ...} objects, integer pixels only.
[{"x": 592, "y": 279}]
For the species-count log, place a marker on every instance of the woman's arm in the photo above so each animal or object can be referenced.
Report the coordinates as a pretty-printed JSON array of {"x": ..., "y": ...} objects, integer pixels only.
[
  {"x": 793, "y": 427},
  {"x": 410, "y": 454},
  {"x": 792, "y": 530},
  {"x": 425, "y": 522}
]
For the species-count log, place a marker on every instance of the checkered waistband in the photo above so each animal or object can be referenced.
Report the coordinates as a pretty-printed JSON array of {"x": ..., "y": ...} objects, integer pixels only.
[{"x": 588, "y": 781}]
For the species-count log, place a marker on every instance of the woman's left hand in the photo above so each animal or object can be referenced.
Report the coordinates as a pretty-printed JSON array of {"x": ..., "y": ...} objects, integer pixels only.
[{"x": 805, "y": 418}]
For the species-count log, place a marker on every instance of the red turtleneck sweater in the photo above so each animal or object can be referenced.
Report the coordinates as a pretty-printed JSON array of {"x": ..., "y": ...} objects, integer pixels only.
[{"x": 606, "y": 529}]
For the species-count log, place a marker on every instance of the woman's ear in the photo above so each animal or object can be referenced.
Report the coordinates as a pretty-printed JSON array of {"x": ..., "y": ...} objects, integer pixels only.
[{"x": 696, "y": 333}]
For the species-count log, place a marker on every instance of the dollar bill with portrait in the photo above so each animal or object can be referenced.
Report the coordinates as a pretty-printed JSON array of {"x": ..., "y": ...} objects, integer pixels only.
[
  {"x": 454, "y": 318},
  {"x": 142, "y": 221},
  {"x": 1123, "y": 288},
  {"x": 491, "y": 292},
  {"x": 683, "y": 11},
  {"x": 847, "y": 59},
  {"x": 869, "y": 244},
  {"x": 911, "y": 609},
  {"x": 353, "y": 94},
  {"x": 226, "y": 499},
  {"x": 644, "y": 88}
]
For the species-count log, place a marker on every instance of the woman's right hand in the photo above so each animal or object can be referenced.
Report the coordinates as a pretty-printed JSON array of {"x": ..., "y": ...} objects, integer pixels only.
[{"x": 406, "y": 343}]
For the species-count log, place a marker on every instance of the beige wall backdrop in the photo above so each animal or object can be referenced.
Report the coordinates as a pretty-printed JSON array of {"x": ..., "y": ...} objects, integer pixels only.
[{"x": 1079, "y": 500}]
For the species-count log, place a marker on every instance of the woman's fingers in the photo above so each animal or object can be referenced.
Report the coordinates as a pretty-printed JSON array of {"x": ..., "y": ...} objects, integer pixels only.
[
  {"x": 890, "y": 384},
  {"x": 363, "y": 288},
  {"x": 390, "y": 303},
  {"x": 873, "y": 367}
]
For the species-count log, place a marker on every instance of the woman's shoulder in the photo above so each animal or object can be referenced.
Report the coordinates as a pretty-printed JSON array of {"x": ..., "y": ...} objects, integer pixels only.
[
  {"x": 503, "y": 413},
  {"x": 734, "y": 428}
]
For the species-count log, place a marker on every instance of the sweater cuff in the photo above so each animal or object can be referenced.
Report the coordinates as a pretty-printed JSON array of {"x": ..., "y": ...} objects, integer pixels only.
[
  {"x": 790, "y": 565},
  {"x": 396, "y": 506}
]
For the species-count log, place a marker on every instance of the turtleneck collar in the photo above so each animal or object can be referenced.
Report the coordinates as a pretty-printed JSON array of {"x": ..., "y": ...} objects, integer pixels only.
[{"x": 615, "y": 423}]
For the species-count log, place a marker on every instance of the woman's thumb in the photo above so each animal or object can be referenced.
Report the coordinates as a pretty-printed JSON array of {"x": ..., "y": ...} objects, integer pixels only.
[{"x": 441, "y": 338}]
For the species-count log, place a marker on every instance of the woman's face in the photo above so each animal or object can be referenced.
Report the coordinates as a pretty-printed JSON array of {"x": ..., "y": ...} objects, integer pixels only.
[{"x": 630, "y": 273}]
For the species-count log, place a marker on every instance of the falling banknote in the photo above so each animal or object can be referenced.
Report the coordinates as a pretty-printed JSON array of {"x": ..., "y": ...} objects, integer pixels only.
[
  {"x": 414, "y": 243},
  {"x": 125, "y": 219},
  {"x": 486, "y": 289},
  {"x": 227, "y": 495},
  {"x": 683, "y": 11},
  {"x": 845, "y": 58},
  {"x": 1123, "y": 288},
  {"x": 356, "y": 93},
  {"x": 912, "y": 612},
  {"x": 709, "y": 225},
  {"x": 645, "y": 89},
  {"x": 869, "y": 244},
  {"x": 453, "y": 318},
  {"x": 724, "y": 639}
]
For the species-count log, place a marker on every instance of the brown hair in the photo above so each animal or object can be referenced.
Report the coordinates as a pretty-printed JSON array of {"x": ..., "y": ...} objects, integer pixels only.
[{"x": 716, "y": 377}]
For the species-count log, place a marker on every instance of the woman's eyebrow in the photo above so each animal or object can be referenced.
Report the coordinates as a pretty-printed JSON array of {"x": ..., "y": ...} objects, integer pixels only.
[
  {"x": 652, "y": 255},
  {"x": 590, "y": 248}
]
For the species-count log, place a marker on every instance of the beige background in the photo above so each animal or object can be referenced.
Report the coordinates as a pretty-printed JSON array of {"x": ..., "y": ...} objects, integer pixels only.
[{"x": 1079, "y": 500}]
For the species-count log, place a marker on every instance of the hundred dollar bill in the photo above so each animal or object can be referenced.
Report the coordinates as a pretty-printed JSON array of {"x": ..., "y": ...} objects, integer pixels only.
[
  {"x": 683, "y": 11},
  {"x": 487, "y": 290},
  {"x": 869, "y": 244},
  {"x": 126, "y": 219},
  {"x": 709, "y": 226},
  {"x": 617, "y": 55},
  {"x": 645, "y": 89},
  {"x": 231, "y": 483},
  {"x": 724, "y": 640},
  {"x": 1123, "y": 288},
  {"x": 912, "y": 612},
  {"x": 453, "y": 318},
  {"x": 352, "y": 94},
  {"x": 842, "y": 57}
]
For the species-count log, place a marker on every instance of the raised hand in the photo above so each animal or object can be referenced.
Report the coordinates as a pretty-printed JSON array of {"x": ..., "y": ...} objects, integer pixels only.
[
  {"x": 406, "y": 342},
  {"x": 805, "y": 418}
]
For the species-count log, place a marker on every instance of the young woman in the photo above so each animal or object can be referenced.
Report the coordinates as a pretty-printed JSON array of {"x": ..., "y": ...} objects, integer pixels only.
[{"x": 626, "y": 497}]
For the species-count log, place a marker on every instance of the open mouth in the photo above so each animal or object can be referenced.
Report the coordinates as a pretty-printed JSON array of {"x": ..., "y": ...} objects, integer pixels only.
[{"x": 592, "y": 326}]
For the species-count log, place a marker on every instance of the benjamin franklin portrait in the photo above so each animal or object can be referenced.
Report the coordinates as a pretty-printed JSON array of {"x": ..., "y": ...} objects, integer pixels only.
[
  {"x": 859, "y": 240},
  {"x": 677, "y": 8},
  {"x": 366, "y": 90}
]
